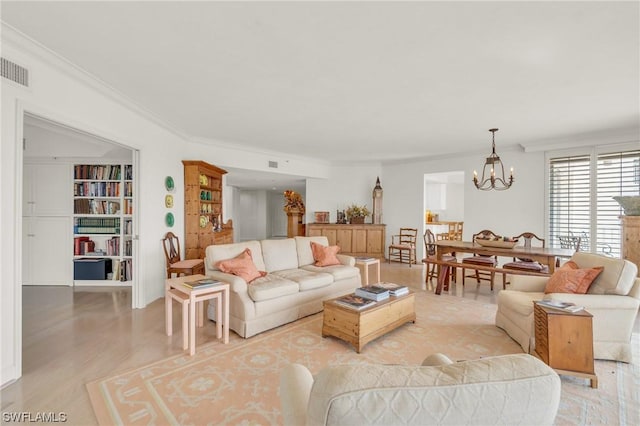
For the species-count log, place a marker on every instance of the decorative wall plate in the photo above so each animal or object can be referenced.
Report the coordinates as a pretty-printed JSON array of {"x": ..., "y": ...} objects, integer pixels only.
[
  {"x": 168, "y": 183},
  {"x": 168, "y": 201},
  {"x": 203, "y": 221},
  {"x": 169, "y": 220}
]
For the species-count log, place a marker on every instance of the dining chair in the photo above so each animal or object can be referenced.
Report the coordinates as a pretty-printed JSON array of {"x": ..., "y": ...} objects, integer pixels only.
[
  {"x": 482, "y": 260},
  {"x": 450, "y": 234},
  {"x": 403, "y": 246},
  {"x": 524, "y": 264},
  {"x": 569, "y": 242},
  {"x": 457, "y": 234},
  {"x": 171, "y": 246},
  {"x": 430, "y": 256}
]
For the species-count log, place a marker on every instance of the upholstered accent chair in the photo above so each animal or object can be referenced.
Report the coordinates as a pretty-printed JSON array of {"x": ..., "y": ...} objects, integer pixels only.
[
  {"x": 507, "y": 389},
  {"x": 403, "y": 246},
  {"x": 613, "y": 299}
]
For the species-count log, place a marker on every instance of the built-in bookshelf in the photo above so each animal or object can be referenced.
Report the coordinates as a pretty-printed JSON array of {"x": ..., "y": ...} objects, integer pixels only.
[{"x": 103, "y": 225}]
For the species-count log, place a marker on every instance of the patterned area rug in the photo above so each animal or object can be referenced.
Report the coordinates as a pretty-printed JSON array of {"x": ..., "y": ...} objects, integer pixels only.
[{"x": 238, "y": 383}]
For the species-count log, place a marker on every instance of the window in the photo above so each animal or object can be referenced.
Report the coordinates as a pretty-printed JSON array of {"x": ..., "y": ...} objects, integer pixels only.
[{"x": 580, "y": 194}]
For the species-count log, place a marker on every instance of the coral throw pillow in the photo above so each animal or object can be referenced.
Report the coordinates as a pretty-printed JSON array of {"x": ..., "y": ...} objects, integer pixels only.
[
  {"x": 571, "y": 279},
  {"x": 325, "y": 256},
  {"x": 242, "y": 266}
]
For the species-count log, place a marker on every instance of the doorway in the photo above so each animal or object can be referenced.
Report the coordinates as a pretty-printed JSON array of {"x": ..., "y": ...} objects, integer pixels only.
[
  {"x": 443, "y": 200},
  {"x": 49, "y": 149}
]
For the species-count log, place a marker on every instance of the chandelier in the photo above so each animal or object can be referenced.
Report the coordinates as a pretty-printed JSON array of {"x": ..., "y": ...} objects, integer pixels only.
[{"x": 491, "y": 166}]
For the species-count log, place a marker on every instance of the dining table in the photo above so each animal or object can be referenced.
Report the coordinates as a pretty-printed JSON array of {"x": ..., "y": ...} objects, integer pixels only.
[{"x": 545, "y": 255}]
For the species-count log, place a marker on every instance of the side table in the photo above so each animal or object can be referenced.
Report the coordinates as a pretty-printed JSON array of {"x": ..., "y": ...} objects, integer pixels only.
[
  {"x": 365, "y": 263},
  {"x": 195, "y": 297},
  {"x": 564, "y": 341}
]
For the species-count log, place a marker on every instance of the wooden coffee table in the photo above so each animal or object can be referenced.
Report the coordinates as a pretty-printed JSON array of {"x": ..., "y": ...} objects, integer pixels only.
[{"x": 361, "y": 327}]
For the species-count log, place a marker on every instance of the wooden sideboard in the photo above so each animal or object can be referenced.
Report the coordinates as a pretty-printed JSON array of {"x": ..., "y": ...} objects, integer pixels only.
[{"x": 355, "y": 240}]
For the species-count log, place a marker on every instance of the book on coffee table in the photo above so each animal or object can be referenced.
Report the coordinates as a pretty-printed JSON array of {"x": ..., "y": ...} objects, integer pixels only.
[
  {"x": 373, "y": 292},
  {"x": 394, "y": 289},
  {"x": 354, "y": 302}
]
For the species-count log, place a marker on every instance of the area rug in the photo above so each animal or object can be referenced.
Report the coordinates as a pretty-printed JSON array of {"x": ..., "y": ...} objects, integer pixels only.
[{"x": 237, "y": 383}]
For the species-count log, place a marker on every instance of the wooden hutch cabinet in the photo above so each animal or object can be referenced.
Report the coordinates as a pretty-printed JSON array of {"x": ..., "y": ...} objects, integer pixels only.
[
  {"x": 203, "y": 209},
  {"x": 354, "y": 240}
]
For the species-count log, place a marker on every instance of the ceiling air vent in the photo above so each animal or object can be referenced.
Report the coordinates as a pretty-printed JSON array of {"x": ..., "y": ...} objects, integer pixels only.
[
  {"x": 14, "y": 72},
  {"x": 273, "y": 164}
]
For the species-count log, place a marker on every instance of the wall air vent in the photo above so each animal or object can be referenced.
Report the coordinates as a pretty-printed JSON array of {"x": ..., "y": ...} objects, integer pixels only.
[
  {"x": 273, "y": 164},
  {"x": 14, "y": 72}
]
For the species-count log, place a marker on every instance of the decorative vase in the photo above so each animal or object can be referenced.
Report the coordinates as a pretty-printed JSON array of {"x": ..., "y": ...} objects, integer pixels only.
[
  {"x": 630, "y": 204},
  {"x": 356, "y": 220}
]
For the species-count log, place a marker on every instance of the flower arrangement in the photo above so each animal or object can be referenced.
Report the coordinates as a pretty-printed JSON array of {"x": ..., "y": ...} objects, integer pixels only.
[{"x": 355, "y": 210}]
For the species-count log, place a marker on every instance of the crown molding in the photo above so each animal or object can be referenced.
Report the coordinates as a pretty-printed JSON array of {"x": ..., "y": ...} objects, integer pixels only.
[
  {"x": 278, "y": 155},
  {"x": 591, "y": 139},
  {"x": 10, "y": 36}
]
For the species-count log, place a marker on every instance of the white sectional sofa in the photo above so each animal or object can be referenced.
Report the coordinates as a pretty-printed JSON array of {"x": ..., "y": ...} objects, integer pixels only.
[{"x": 293, "y": 287}]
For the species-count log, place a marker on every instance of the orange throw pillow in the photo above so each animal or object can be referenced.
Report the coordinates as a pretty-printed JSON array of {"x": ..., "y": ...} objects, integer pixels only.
[
  {"x": 242, "y": 266},
  {"x": 571, "y": 279},
  {"x": 325, "y": 256}
]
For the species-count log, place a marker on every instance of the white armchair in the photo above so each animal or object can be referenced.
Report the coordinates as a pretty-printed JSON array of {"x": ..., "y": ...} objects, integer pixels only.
[
  {"x": 613, "y": 300},
  {"x": 493, "y": 390}
]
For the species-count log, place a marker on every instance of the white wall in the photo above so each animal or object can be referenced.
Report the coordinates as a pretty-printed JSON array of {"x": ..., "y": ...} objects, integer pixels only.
[
  {"x": 345, "y": 185},
  {"x": 509, "y": 212},
  {"x": 455, "y": 203},
  {"x": 277, "y": 225},
  {"x": 252, "y": 216},
  {"x": 64, "y": 94}
]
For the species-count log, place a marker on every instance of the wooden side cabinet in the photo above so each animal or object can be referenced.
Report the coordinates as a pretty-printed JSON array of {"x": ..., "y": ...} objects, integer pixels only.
[
  {"x": 354, "y": 240},
  {"x": 631, "y": 239},
  {"x": 564, "y": 341}
]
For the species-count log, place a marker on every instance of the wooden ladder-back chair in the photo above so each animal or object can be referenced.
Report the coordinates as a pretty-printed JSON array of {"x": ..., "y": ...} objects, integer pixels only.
[
  {"x": 524, "y": 264},
  {"x": 403, "y": 246},
  {"x": 171, "y": 246},
  {"x": 457, "y": 234},
  {"x": 480, "y": 260},
  {"x": 430, "y": 256}
]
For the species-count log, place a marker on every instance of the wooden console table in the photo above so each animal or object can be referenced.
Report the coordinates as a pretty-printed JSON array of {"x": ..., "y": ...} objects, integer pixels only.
[{"x": 354, "y": 240}]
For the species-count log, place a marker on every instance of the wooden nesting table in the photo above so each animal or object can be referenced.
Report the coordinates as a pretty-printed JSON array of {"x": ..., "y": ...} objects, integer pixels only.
[
  {"x": 193, "y": 301},
  {"x": 359, "y": 327}
]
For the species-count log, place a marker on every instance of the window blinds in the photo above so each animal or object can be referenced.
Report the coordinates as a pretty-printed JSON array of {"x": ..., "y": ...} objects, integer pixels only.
[{"x": 572, "y": 188}]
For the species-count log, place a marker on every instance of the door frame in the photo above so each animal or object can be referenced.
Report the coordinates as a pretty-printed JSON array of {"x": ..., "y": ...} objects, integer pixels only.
[{"x": 27, "y": 108}]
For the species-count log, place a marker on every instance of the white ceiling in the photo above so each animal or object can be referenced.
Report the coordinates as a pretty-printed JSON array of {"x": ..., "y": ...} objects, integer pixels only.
[{"x": 357, "y": 81}]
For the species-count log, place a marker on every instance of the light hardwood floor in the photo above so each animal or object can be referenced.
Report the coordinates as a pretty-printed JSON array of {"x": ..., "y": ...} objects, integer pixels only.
[{"x": 72, "y": 336}]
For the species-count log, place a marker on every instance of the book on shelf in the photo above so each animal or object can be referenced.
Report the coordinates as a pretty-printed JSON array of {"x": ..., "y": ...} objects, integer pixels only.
[
  {"x": 373, "y": 292},
  {"x": 561, "y": 306},
  {"x": 394, "y": 289},
  {"x": 354, "y": 302},
  {"x": 205, "y": 282}
]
